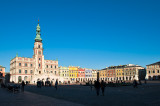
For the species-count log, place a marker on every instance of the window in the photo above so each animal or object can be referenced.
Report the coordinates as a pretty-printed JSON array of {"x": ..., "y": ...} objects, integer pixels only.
[
  {"x": 39, "y": 58},
  {"x": 157, "y": 71},
  {"x": 55, "y": 72},
  {"x": 47, "y": 66},
  {"x": 149, "y": 72},
  {"x": 39, "y": 65},
  {"x": 55, "y": 66},
  {"x": 39, "y": 46},
  {"x": 19, "y": 64},
  {"x": 26, "y": 64},
  {"x": 19, "y": 71},
  {"x": 25, "y": 71},
  {"x": 31, "y": 71},
  {"x": 1, "y": 74},
  {"x": 51, "y": 66},
  {"x": 31, "y": 65},
  {"x": 51, "y": 71},
  {"x": 153, "y": 71},
  {"x": 0, "y": 69},
  {"x": 39, "y": 52}
]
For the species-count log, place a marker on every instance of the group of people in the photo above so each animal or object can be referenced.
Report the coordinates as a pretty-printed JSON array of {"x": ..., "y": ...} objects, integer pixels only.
[
  {"x": 99, "y": 85},
  {"x": 39, "y": 84}
]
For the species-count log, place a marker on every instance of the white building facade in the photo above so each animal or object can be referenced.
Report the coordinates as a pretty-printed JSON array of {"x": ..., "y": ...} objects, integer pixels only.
[{"x": 35, "y": 68}]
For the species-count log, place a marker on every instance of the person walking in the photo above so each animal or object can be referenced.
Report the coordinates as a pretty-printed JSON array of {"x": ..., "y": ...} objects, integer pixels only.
[
  {"x": 103, "y": 85},
  {"x": 97, "y": 87},
  {"x": 145, "y": 81},
  {"x": 23, "y": 84},
  {"x": 91, "y": 85},
  {"x": 56, "y": 84},
  {"x": 135, "y": 84}
]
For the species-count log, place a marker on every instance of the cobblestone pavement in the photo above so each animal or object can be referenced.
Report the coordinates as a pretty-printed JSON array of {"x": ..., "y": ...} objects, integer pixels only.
[
  {"x": 146, "y": 94},
  {"x": 7, "y": 98},
  {"x": 76, "y": 95}
]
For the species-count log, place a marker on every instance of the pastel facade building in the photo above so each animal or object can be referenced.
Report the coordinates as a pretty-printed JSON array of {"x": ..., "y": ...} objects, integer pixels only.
[
  {"x": 153, "y": 71},
  {"x": 35, "y": 68},
  {"x": 111, "y": 74},
  {"x": 94, "y": 75},
  {"x": 119, "y": 72},
  {"x": 132, "y": 72},
  {"x": 88, "y": 74},
  {"x": 122, "y": 73},
  {"x": 64, "y": 73},
  {"x": 2, "y": 74},
  {"x": 103, "y": 74},
  {"x": 73, "y": 73},
  {"x": 81, "y": 75}
]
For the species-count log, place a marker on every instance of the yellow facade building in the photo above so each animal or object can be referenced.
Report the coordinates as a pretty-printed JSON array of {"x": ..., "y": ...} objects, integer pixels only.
[
  {"x": 120, "y": 72},
  {"x": 103, "y": 74},
  {"x": 73, "y": 73}
]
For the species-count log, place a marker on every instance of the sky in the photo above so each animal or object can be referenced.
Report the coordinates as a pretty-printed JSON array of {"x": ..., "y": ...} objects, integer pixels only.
[{"x": 86, "y": 33}]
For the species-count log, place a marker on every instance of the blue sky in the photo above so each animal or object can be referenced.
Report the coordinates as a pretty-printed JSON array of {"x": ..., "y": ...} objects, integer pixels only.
[{"x": 86, "y": 33}]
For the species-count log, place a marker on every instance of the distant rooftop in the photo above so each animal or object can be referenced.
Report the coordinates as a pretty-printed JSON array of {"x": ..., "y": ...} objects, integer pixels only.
[
  {"x": 157, "y": 63},
  {"x": 2, "y": 66}
]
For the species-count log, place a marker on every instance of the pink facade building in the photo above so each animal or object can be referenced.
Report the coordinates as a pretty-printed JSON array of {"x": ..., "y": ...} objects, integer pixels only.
[
  {"x": 35, "y": 68},
  {"x": 81, "y": 74}
]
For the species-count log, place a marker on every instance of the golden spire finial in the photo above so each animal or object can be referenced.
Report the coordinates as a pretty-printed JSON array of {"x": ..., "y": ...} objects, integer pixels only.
[{"x": 38, "y": 20}]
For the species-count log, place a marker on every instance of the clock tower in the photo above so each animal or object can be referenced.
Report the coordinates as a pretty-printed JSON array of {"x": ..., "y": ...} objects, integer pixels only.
[{"x": 38, "y": 52}]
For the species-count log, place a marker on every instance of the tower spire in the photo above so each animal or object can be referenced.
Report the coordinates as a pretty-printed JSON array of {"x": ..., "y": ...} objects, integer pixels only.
[
  {"x": 38, "y": 20},
  {"x": 38, "y": 34}
]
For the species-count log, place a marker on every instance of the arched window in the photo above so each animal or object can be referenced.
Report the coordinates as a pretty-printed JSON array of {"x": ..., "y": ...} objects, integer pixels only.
[
  {"x": 25, "y": 78},
  {"x": 19, "y": 79}
]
